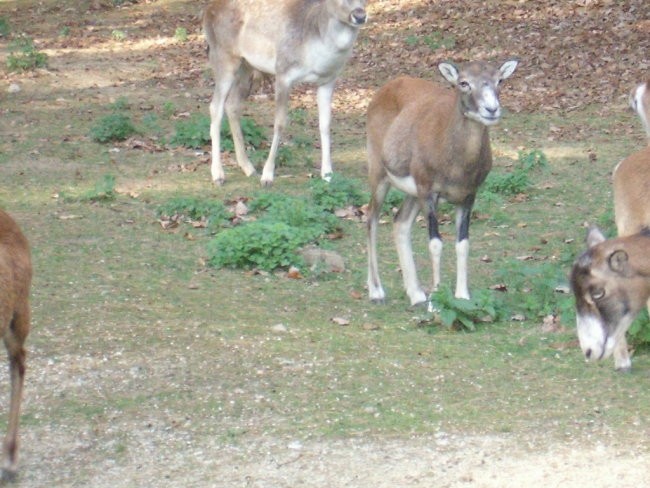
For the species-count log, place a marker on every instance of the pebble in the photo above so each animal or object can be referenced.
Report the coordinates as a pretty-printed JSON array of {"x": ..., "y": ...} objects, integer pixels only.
[{"x": 279, "y": 328}]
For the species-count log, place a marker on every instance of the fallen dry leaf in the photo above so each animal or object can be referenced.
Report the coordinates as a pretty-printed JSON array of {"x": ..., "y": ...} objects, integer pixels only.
[
  {"x": 340, "y": 321},
  {"x": 241, "y": 209},
  {"x": 294, "y": 273},
  {"x": 499, "y": 287},
  {"x": 561, "y": 346},
  {"x": 167, "y": 224},
  {"x": 551, "y": 324},
  {"x": 356, "y": 295}
]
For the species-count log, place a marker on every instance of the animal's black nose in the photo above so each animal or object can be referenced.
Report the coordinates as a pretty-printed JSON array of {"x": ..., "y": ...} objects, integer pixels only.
[
  {"x": 588, "y": 353},
  {"x": 359, "y": 15}
]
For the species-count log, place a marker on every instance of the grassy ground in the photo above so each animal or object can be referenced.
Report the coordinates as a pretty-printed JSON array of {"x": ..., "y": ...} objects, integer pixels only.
[{"x": 144, "y": 361}]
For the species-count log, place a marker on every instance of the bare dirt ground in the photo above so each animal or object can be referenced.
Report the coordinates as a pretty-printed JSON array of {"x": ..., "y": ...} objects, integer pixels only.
[{"x": 165, "y": 450}]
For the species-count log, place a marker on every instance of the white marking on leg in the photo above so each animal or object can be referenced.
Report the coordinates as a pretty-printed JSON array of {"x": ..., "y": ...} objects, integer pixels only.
[
  {"x": 435, "y": 250},
  {"x": 462, "y": 255},
  {"x": 324, "y": 99}
]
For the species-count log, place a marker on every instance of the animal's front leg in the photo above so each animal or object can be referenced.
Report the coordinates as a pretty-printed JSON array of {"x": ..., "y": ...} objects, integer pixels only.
[
  {"x": 281, "y": 102},
  {"x": 435, "y": 240},
  {"x": 622, "y": 361},
  {"x": 324, "y": 97},
  {"x": 463, "y": 213}
]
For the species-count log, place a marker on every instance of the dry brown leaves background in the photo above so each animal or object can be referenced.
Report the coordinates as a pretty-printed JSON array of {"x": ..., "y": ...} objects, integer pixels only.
[{"x": 573, "y": 53}]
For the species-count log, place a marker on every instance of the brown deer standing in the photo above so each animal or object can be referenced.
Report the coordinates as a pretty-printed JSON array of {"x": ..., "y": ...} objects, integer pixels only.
[
  {"x": 295, "y": 40},
  {"x": 433, "y": 144},
  {"x": 15, "y": 280}
]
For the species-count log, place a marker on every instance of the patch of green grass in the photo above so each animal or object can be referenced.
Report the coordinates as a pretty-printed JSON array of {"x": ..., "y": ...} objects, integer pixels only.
[
  {"x": 437, "y": 40},
  {"x": 194, "y": 132},
  {"x": 518, "y": 180},
  {"x": 118, "y": 35},
  {"x": 24, "y": 56},
  {"x": 536, "y": 289},
  {"x": 151, "y": 126},
  {"x": 180, "y": 34},
  {"x": 103, "y": 191},
  {"x": 113, "y": 127},
  {"x": 120, "y": 104},
  {"x": 639, "y": 331},
  {"x": 433, "y": 41},
  {"x": 283, "y": 224},
  {"x": 213, "y": 211},
  {"x": 5, "y": 27},
  {"x": 168, "y": 109},
  {"x": 483, "y": 306},
  {"x": 265, "y": 245},
  {"x": 339, "y": 192}
]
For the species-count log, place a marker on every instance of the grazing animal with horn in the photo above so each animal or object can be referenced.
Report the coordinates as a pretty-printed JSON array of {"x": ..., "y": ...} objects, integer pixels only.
[
  {"x": 15, "y": 280},
  {"x": 611, "y": 284},
  {"x": 295, "y": 40},
  {"x": 611, "y": 279},
  {"x": 433, "y": 144}
]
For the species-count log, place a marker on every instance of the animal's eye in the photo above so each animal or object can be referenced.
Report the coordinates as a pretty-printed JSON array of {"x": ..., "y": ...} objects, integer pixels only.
[
  {"x": 464, "y": 85},
  {"x": 597, "y": 293}
]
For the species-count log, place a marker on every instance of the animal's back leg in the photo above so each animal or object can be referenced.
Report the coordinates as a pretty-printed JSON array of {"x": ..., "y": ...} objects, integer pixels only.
[
  {"x": 225, "y": 70},
  {"x": 402, "y": 234},
  {"x": 14, "y": 339},
  {"x": 375, "y": 289}
]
